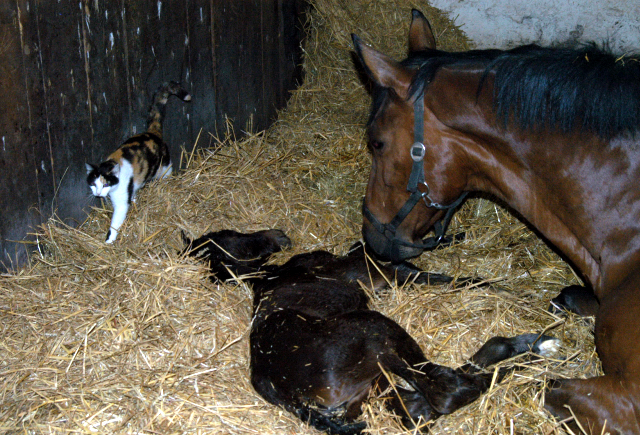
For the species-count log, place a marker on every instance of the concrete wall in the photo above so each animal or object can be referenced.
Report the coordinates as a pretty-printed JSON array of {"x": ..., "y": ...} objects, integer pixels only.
[{"x": 507, "y": 23}]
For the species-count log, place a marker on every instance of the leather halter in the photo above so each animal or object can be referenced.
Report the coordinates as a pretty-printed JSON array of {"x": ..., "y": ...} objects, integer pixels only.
[{"x": 415, "y": 178}]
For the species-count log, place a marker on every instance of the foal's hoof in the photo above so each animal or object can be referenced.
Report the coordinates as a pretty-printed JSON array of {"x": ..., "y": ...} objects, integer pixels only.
[
  {"x": 576, "y": 299},
  {"x": 498, "y": 349}
]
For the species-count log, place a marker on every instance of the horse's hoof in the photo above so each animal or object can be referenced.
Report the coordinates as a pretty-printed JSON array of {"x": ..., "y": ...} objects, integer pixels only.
[{"x": 547, "y": 346}]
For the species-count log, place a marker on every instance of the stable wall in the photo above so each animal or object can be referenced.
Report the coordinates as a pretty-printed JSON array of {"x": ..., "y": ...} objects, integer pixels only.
[
  {"x": 508, "y": 23},
  {"x": 76, "y": 78}
]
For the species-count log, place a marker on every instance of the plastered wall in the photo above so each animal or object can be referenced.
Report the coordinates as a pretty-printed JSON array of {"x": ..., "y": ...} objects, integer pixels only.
[{"x": 507, "y": 23}]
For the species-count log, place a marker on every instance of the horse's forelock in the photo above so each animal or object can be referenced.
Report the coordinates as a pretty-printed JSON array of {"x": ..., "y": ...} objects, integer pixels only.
[
  {"x": 379, "y": 96},
  {"x": 429, "y": 63}
]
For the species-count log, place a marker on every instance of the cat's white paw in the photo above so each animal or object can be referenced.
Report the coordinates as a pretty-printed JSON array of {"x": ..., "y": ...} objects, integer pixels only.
[{"x": 111, "y": 236}]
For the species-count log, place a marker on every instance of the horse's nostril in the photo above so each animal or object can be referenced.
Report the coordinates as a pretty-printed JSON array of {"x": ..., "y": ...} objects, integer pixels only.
[
  {"x": 378, "y": 243},
  {"x": 405, "y": 252},
  {"x": 386, "y": 249}
]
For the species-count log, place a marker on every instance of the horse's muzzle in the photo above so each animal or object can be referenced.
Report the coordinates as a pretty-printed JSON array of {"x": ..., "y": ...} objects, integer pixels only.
[{"x": 388, "y": 247}]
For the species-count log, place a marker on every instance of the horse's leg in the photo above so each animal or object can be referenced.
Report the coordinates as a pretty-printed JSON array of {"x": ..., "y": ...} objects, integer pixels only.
[
  {"x": 577, "y": 299},
  {"x": 406, "y": 271},
  {"x": 470, "y": 381},
  {"x": 612, "y": 401},
  {"x": 605, "y": 404},
  {"x": 356, "y": 267}
]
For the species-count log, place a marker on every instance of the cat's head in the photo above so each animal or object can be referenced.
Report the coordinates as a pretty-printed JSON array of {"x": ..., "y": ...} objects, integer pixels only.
[{"x": 103, "y": 177}]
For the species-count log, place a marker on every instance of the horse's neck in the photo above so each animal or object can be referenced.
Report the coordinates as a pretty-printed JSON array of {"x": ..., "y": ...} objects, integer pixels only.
[
  {"x": 582, "y": 198},
  {"x": 579, "y": 191}
]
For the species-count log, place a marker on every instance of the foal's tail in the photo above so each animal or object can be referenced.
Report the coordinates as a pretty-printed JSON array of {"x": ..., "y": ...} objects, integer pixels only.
[
  {"x": 322, "y": 421},
  {"x": 327, "y": 424},
  {"x": 441, "y": 390}
]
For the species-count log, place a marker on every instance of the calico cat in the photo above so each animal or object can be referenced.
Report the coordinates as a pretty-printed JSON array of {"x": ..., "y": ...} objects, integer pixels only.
[{"x": 139, "y": 159}]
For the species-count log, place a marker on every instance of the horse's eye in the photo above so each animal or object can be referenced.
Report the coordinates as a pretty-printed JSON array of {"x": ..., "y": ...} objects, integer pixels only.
[{"x": 376, "y": 145}]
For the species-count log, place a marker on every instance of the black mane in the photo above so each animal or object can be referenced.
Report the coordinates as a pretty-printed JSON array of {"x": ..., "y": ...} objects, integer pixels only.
[{"x": 552, "y": 88}]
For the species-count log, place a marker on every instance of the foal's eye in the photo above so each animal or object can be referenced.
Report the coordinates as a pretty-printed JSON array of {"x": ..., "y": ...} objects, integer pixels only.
[{"x": 376, "y": 145}]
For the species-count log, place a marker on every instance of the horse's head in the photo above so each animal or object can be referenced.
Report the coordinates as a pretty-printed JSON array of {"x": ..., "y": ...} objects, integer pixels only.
[{"x": 413, "y": 183}]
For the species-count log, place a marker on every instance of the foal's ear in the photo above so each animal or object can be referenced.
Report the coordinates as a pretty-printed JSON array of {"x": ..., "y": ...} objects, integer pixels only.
[
  {"x": 383, "y": 70},
  {"x": 420, "y": 34}
]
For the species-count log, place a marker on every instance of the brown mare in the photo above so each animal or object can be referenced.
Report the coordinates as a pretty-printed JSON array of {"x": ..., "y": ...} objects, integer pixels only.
[{"x": 551, "y": 132}]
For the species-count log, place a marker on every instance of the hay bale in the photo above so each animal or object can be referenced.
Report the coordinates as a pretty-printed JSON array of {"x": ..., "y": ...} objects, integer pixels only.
[{"x": 134, "y": 338}]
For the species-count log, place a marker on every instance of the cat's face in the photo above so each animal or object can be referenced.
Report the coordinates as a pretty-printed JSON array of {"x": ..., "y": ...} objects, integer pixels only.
[
  {"x": 101, "y": 180},
  {"x": 100, "y": 187}
]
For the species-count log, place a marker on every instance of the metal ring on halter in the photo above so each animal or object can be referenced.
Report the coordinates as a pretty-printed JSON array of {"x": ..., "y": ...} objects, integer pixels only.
[
  {"x": 424, "y": 183},
  {"x": 425, "y": 197}
]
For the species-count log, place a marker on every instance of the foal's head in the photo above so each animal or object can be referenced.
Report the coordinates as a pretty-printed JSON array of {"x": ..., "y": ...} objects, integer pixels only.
[{"x": 398, "y": 107}]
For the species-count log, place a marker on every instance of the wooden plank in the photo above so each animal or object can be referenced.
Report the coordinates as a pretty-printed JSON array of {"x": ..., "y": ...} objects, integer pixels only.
[{"x": 25, "y": 158}]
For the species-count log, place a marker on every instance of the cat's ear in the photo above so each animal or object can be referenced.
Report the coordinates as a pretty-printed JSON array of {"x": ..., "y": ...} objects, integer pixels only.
[
  {"x": 89, "y": 167},
  {"x": 115, "y": 171}
]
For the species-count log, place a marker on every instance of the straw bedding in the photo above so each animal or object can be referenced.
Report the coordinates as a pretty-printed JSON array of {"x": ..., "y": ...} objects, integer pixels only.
[{"x": 134, "y": 338}]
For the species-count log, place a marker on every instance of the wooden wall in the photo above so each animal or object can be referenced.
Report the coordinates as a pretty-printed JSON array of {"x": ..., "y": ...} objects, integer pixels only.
[{"x": 76, "y": 79}]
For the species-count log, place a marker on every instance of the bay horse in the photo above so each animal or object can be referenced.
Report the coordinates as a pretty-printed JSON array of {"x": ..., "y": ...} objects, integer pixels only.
[
  {"x": 316, "y": 348},
  {"x": 553, "y": 133}
]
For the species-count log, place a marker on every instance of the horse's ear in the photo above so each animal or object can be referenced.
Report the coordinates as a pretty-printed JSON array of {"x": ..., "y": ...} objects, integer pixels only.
[
  {"x": 420, "y": 34},
  {"x": 383, "y": 70}
]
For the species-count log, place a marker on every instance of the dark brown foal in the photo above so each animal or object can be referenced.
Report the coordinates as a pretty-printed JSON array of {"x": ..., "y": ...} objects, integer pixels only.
[{"x": 317, "y": 350}]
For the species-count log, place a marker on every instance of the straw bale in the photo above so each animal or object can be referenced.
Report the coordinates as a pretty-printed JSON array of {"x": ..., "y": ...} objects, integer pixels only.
[{"x": 134, "y": 338}]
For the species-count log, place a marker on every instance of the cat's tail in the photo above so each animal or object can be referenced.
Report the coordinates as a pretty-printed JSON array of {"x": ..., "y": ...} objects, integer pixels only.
[{"x": 156, "y": 111}]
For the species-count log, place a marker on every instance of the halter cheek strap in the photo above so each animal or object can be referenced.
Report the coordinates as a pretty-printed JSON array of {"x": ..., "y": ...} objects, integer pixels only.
[
  {"x": 417, "y": 149},
  {"x": 415, "y": 178}
]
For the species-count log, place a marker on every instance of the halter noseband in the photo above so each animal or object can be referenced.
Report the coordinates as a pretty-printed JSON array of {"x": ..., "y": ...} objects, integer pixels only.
[{"x": 415, "y": 178}]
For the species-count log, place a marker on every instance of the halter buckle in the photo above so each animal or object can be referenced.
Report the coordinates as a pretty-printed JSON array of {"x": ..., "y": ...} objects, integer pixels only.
[{"x": 418, "y": 151}]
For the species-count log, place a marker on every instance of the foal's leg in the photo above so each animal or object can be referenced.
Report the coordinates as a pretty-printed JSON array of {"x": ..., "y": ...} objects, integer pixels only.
[
  {"x": 441, "y": 390},
  {"x": 471, "y": 380},
  {"x": 498, "y": 349},
  {"x": 402, "y": 272}
]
